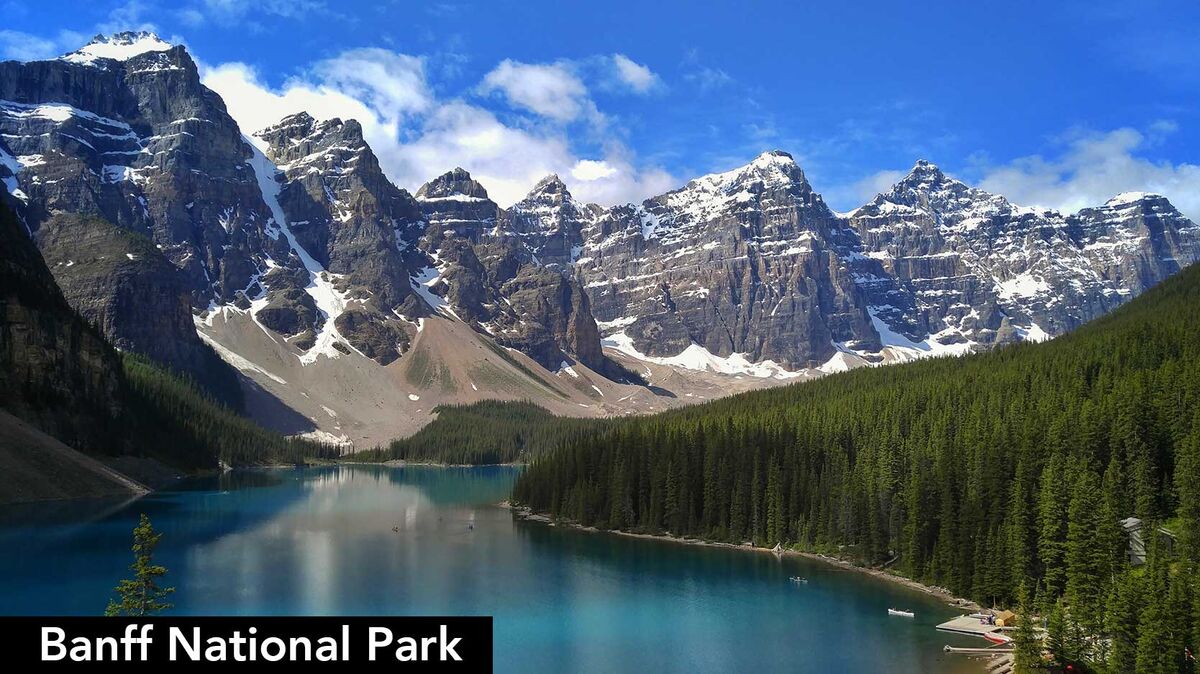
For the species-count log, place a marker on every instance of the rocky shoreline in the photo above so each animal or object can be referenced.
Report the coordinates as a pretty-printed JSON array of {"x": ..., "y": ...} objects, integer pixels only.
[{"x": 938, "y": 592}]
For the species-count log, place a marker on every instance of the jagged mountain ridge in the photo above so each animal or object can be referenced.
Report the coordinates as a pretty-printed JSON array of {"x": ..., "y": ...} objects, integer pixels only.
[
  {"x": 307, "y": 269},
  {"x": 976, "y": 269},
  {"x": 298, "y": 230},
  {"x": 492, "y": 276},
  {"x": 741, "y": 262},
  {"x": 122, "y": 132},
  {"x": 749, "y": 271}
]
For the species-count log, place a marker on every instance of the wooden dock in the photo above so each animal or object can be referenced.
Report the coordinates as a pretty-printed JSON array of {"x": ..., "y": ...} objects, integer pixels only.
[
  {"x": 971, "y": 625},
  {"x": 1000, "y": 650}
]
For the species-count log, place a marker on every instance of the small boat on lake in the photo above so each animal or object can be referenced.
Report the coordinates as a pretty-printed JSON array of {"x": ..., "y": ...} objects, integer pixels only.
[
  {"x": 798, "y": 579},
  {"x": 901, "y": 613}
]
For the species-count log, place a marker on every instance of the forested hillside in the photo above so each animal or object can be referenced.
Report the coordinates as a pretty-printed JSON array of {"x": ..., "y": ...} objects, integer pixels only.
[
  {"x": 486, "y": 432},
  {"x": 982, "y": 474},
  {"x": 173, "y": 420}
]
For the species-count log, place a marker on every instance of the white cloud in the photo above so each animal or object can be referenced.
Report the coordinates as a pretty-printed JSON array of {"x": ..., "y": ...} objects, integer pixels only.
[
  {"x": 549, "y": 90},
  {"x": 1092, "y": 168},
  {"x": 191, "y": 17},
  {"x": 620, "y": 181},
  {"x": 860, "y": 192},
  {"x": 637, "y": 76},
  {"x": 589, "y": 169},
  {"x": 509, "y": 160},
  {"x": 255, "y": 105},
  {"x": 382, "y": 79},
  {"x": 27, "y": 47},
  {"x": 130, "y": 16},
  {"x": 418, "y": 136}
]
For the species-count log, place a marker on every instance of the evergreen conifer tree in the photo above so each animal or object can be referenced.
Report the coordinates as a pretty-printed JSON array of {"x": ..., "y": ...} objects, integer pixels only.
[{"x": 142, "y": 595}]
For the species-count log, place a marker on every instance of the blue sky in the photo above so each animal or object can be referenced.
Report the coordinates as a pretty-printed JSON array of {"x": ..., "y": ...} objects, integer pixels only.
[{"x": 1059, "y": 104}]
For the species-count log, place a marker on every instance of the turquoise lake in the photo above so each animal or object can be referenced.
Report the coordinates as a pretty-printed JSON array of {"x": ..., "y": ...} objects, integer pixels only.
[{"x": 320, "y": 541}]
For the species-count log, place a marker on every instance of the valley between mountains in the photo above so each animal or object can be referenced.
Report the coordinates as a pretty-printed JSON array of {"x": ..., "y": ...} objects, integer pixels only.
[{"x": 284, "y": 273}]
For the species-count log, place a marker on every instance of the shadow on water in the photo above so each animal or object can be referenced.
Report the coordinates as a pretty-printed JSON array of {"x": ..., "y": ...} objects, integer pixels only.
[{"x": 455, "y": 485}]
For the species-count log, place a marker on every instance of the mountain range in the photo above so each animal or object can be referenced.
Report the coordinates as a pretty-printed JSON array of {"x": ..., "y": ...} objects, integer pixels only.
[{"x": 283, "y": 272}]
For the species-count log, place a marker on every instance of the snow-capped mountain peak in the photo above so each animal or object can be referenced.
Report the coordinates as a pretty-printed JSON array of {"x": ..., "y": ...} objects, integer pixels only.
[
  {"x": 549, "y": 195},
  {"x": 551, "y": 221},
  {"x": 924, "y": 181},
  {"x": 455, "y": 185},
  {"x": 1130, "y": 198},
  {"x": 773, "y": 168},
  {"x": 551, "y": 184},
  {"x": 928, "y": 192},
  {"x": 772, "y": 175},
  {"x": 118, "y": 47}
]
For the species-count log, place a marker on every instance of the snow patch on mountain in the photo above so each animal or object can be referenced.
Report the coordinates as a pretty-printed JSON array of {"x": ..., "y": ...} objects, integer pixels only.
[
  {"x": 1022, "y": 286},
  {"x": 904, "y": 349},
  {"x": 12, "y": 166},
  {"x": 118, "y": 47},
  {"x": 696, "y": 357},
  {"x": 329, "y": 301},
  {"x": 1127, "y": 198},
  {"x": 423, "y": 284}
]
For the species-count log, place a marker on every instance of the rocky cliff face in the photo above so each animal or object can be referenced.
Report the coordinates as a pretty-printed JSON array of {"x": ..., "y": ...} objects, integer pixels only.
[
  {"x": 121, "y": 283},
  {"x": 56, "y": 371},
  {"x": 747, "y": 262},
  {"x": 357, "y": 225},
  {"x": 487, "y": 271},
  {"x": 968, "y": 267},
  {"x": 123, "y": 130},
  {"x": 551, "y": 222},
  {"x": 749, "y": 272}
]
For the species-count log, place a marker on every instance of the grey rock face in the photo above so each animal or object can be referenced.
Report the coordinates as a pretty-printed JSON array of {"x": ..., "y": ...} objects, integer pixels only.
[
  {"x": 55, "y": 370},
  {"x": 454, "y": 204},
  {"x": 342, "y": 208},
  {"x": 968, "y": 266},
  {"x": 750, "y": 261},
  {"x": 137, "y": 141},
  {"x": 489, "y": 274},
  {"x": 356, "y": 224},
  {"x": 122, "y": 284},
  {"x": 550, "y": 221}
]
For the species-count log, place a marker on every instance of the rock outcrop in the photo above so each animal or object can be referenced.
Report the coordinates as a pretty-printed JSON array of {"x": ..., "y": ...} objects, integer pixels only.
[
  {"x": 124, "y": 131},
  {"x": 966, "y": 266},
  {"x": 56, "y": 371},
  {"x": 551, "y": 222},
  {"x": 748, "y": 262},
  {"x": 356, "y": 224},
  {"x": 488, "y": 272}
]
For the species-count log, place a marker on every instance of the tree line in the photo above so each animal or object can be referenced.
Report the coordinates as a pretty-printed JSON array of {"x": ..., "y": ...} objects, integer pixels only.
[
  {"x": 170, "y": 418},
  {"x": 485, "y": 432}
]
